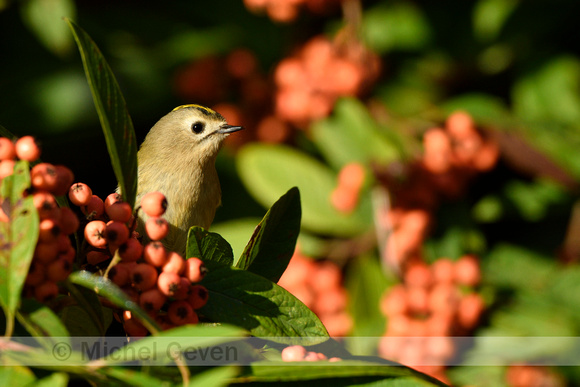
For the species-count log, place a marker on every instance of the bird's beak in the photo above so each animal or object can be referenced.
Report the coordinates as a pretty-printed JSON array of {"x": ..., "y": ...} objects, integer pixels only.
[{"x": 224, "y": 129}]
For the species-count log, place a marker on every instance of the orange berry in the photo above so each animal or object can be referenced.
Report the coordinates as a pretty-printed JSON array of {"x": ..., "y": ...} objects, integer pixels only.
[
  {"x": 180, "y": 312},
  {"x": 116, "y": 233},
  {"x": 95, "y": 233},
  {"x": 152, "y": 300},
  {"x": 352, "y": 176},
  {"x": 470, "y": 308},
  {"x": 241, "y": 63},
  {"x": 6, "y": 168},
  {"x": 95, "y": 257},
  {"x": 183, "y": 292},
  {"x": 460, "y": 125},
  {"x": 143, "y": 276},
  {"x": 69, "y": 223},
  {"x": 175, "y": 263},
  {"x": 7, "y": 150},
  {"x": 27, "y": 148},
  {"x": 290, "y": 73},
  {"x": 46, "y": 205},
  {"x": 46, "y": 252},
  {"x": 198, "y": 296},
  {"x": 46, "y": 291},
  {"x": 467, "y": 271},
  {"x": 155, "y": 254},
  {"x": 120, "y": 212},
  {"x": 486, "y": 156},
  {"x": 294, "y": 353},
  {"x": 58, "y": 270},
  {"x": 36, "y": 274},
  {"x": 394, "y": 301},
  {"x": 48, "y": 230},
  {"x": 157, "y": 228},
  {"x": 154, "y": 204},
  {"x": 194, "y": 270},
  {"x": 344, "y": 199},
  {"x": 64, "y": 179},
  {"x": 43, "y": 176},
  {"x": 95, "y": 208},
  {"x": 119, "y": 274},
  {"x": 134, "y": 328},
  {"x": 80, "y": 194},
  {"x": 443, "y": 270},
  {"x": 443, "y": 298},
  {"x": 113, "y": 198},
  {"x": 326, "y": 276},
  {"x": 418, "y": 274},
  {"x": 131, "y": 250},
  {"x": 169, "y": 283}
]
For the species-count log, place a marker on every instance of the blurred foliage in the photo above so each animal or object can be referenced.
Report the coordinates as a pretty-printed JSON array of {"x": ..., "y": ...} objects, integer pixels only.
[{"x": 513, "y": 65}]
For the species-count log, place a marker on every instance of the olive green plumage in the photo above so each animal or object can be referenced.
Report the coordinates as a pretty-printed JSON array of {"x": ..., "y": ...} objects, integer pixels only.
[{"x": 177, "y": 158}]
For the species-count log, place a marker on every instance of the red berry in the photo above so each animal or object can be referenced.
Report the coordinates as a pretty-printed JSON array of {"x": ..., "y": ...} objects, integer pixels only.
[
  {"x": 95, "y": 208},
  {"x": 116, "y": 233},
  {"x": 134, "y": 328},
  {"x": 95, "y": 257},
  {"x": 64, "y": 179},
  {"x": 58, "y": 270},
  {"x": 119, "y": 274},
  {"x": 195, "y": 269},
  {"x": 467, "y": 270},
  {"x": 6, "y": 168},
  {"x": 95, "y": 233},
  {"x": 143, "y": 276},
  {"x": 46, "y": 252},
  {"x": 7, "y": 150},
  {"x": 183, "y": 292},
  {"x": 169, "y": 283},
  {"x": 48, "y": 230},
  {"x": 198, "y": 296},
  {"x": 44, "y": 177},
  {"x": 180, "y": 312},
  {"x": 113, "y": 198},
  {"x": 36, "y": 274},
  {"x": 156, "y": 228},
  {"x": 69, "y": 223},
  {"x": 154, "y": 204},
  {"x": 131, "y": 250},
  {"x": 294, "y": 353},
  {"x": 80, "y": 194},
  {"x": 152, "y": 300},
  {"x": 175, "y": 264},
  {"x": 46, "y": 205},
  {"x": 119, "y": 211},
  {"x": 27, "y": 148},
  {"x": 155, "y": 254},
  {"x": 46, "y": 291}
]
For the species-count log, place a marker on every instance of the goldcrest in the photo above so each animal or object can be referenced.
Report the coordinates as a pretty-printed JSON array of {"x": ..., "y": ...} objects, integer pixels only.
[{"x": 177, "y": 158}]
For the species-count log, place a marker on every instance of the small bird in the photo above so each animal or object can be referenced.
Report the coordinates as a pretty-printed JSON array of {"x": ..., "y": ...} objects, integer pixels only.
[{"x": 177, "y": 158}]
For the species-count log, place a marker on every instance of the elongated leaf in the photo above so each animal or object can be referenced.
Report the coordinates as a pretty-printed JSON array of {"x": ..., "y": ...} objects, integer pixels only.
[
  {"x": 208, "y": 246},
  {"x": 271, "y": 246},
  {"x": 250, "y": 301},
  {"x": 106, "y": 288},
  {"x": 16, "y": 376},
  {"x": 112, "y": 110},
  {"x": 161, "y": 347},
  {"x": 341, "y": 373},
  {"x": 17, "y": 238},
  {"x": 55, "y": 379},
  {"x": 40, "y": 321}
]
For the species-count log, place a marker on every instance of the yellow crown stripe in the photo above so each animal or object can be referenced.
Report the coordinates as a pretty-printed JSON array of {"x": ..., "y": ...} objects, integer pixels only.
[{"x": 199, "y": 107}]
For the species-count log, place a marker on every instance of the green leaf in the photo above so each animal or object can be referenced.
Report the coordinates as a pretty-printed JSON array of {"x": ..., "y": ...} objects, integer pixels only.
[
  {"x": 268, "y": 171},
  {"x": 113, "y": 115},
  {"x": 41, "y": 322},
  {"x": 17, "y": 239},
  {"x": 55, "y": 379},
  {"x": 16, "y": 376},
  {"x": 250, "y": 301},
  {"x": 160, "y": 347},
  {"x": 208, "y": 246},
  {"x": 106, "y": 288},
  {"x": 271, "y": 246},
  {"x": 92, "y": 310},
  {"x": 489, "y": 16},
  {"x": 351, "y": 134},
  {"x": 345, "y": 372},
  {"x": 237, "y": 232},
  {"x": 44, "y": 19},
  {"x": 550, "y": 92},
  {"x": 396, "y": 25},
  {"x": 214, "y": 377},
  {"x": 132, "y": 377}
]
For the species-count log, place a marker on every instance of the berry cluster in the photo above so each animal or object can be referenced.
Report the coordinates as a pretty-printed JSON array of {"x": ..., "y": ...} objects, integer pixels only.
[
  {"x": 160, "y": 281},
  {"x": 345, "y": 195},
  {"x": 53, "y": 255},
  {"x": 310, "y": 82},
  {"x": 318, "y": 284},
  {"x": 433, "y": 303},
  {"x": 285, "y": 11},
  {"x": 533, "y": 376},
  {"x": 452, "y": 157},
  {"x": 299, "y": 353}
]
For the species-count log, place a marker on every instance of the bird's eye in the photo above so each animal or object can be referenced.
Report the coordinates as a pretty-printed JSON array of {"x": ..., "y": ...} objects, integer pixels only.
[{"x": 198, "y": 127}]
